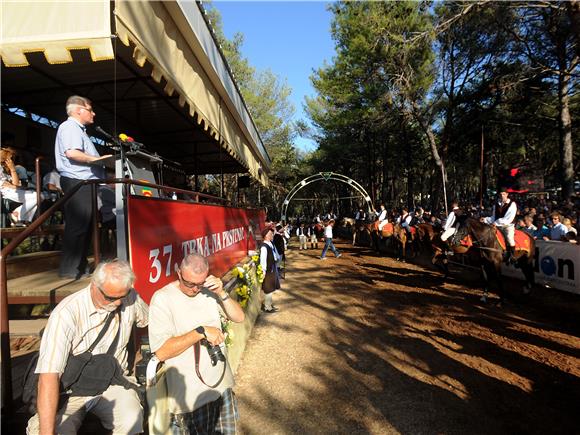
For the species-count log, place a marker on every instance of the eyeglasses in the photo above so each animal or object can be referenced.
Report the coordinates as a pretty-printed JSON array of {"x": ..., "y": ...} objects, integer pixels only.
[
  {"x": 189, "y": 284},
  {"x": 88, "y": 109},
  {"x": 112, "y": 298}
]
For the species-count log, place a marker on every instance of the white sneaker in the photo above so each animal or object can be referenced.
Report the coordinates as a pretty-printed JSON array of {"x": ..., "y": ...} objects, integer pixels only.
[
  {"x": 339, "y": 255},
  {"x": 323, "y": 258}
]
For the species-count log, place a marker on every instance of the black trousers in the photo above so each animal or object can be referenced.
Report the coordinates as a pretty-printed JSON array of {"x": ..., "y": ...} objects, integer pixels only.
[{"x": 78, "y": 214}]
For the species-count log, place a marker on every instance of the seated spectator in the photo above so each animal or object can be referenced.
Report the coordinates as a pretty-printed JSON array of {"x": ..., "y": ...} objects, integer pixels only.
[
  {"x": 51, "y": 182},
  {"x": 559, "y": 230},
  {"x": 11, "y": 189},
  {"x": 110, "y": 304},
  {"x": 27, "y": 178}
]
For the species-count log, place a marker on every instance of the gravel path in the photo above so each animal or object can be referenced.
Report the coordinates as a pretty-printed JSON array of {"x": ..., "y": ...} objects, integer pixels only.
[{"x": 365, "y": 344}]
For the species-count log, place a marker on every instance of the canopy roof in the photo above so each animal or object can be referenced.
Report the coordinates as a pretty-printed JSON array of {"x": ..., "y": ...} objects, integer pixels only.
[{"x": 161, "y": 78}]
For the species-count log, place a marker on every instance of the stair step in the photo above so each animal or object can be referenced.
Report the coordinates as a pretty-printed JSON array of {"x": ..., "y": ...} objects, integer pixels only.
[
  {"x": 26, "y": 264},
  {"x": 43, "y": 288},
  {"x": 26, "y": 330}
]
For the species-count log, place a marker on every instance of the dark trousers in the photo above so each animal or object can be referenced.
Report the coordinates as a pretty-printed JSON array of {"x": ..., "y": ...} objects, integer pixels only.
[{"x": 78, "y": 214}]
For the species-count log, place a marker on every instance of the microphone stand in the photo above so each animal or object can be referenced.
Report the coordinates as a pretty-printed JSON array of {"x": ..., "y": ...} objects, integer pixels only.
[
  {"x": 119, "y": 145},
  {"x": 121, "y": 196}
]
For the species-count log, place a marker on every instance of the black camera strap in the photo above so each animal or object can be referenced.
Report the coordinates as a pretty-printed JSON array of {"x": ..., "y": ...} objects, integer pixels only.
[
  {"x": 104, "y": 330},
  {"x": 196, "y": 352}
]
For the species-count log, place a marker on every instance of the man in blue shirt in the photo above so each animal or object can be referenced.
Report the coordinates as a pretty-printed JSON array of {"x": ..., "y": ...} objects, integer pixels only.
[
  {"x": 559, "y": 230},
  {"x": 75, "y": 157}
]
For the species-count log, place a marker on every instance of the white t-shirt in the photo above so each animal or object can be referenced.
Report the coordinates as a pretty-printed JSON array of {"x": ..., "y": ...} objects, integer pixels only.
[
  {"x": 328, "y": 232},
  {"x": 51, "y": 178},
  {"x": 171, "y": 314},
  {"x": 383, "y": 215}
]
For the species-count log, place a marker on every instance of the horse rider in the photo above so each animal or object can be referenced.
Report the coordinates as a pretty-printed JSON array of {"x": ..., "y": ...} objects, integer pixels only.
[
  {"x": 503, "y": 217},
  {"x": 450, "y": 227},
  {"x": 419, "y": 218},
  {"x": 361, "y": 216},
  {"x": 383, "y": 217},
  {"x": 405, "y": 219}
]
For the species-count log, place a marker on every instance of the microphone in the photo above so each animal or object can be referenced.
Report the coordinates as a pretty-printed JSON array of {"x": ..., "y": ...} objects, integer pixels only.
[
  {"x": 104, "y": 133},
  {"x": 129, "y": 140}
]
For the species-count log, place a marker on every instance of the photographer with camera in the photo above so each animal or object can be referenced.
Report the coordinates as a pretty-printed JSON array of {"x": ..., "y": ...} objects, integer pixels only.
[{"x": 185, "y": 332}]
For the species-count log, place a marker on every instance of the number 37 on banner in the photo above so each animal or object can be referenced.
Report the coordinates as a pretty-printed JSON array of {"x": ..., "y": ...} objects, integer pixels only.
[{"x": 156, "y": 266}]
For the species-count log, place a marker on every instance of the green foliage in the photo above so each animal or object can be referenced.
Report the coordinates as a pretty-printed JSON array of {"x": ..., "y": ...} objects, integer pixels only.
[
  {"x": 413, "y": 85},
  {"x": 267, "y": 98},
  {"x": 411, "y": 89}
]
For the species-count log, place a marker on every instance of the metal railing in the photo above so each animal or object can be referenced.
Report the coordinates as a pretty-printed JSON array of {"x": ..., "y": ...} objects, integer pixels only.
[{"x": 7, "y": 393}]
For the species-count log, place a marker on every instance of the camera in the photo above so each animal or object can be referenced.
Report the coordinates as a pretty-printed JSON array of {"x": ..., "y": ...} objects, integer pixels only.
[
  {"x": 215, "y": 353},
  {"x": 141, "y": 366}
]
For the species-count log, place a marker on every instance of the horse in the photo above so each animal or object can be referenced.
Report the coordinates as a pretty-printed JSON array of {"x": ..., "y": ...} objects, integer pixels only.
[
  {"x": 405, "y": 238},
  {"x": 427, "y": 234},
  {"x": 484, "y": 239},
  {"x": 357, "y": 229},
  {"x": 376, "y": 237}
]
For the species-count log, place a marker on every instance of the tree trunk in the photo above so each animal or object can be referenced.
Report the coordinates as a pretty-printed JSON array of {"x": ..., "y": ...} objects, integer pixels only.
[
  {"x": 565, "y": 126},
  {"x": 573, "y": 7}
]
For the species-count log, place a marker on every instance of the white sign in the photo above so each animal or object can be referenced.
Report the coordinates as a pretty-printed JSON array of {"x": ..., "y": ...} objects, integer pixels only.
[{"x": 556, "y": 264}]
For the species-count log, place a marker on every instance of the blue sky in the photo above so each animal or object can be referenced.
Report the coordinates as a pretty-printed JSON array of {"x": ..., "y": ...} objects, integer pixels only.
[{"x": 290, "y": 38}]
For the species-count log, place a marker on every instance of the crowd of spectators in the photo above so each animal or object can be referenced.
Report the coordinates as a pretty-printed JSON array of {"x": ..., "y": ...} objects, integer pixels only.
[{"x": 542, "y": 219}]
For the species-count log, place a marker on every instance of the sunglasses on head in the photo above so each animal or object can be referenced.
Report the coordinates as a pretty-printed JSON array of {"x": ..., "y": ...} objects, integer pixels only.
[
  {"x": 189, "y": 284},
  {"x": 112, "y": 298}
]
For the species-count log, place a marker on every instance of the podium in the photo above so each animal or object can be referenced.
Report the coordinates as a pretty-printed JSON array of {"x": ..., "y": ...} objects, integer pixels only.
[{"x": 140, "y": 168}]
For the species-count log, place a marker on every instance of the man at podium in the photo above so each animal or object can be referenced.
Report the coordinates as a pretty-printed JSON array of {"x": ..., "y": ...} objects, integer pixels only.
[{"x": 77, "y": 160}]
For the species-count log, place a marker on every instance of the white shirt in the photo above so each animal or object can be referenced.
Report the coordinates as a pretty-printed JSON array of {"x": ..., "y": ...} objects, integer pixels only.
[
  {"x": 305, "y": 231},
  {"x": 407, "y": 219},
  {"x": 383, "y": 215},
  {"x": 328, "y": 232},
  {"x": 509, "y": 217},
  {"x": 51, "y": 178},
  {"x": 173, "y": 313},
  {"x": 264, "y": 255},
  {"x": 75, "y": 323},
  {"x": 450, "y": 219}
]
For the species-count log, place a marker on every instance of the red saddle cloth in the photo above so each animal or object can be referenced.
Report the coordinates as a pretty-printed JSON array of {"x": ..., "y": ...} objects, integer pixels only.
[
  {"x": 466, "y": 241},
  {"x": 522, "y": 240},
  {"x": 413, "y": 230},
  {"x": 388, "y": 229}
]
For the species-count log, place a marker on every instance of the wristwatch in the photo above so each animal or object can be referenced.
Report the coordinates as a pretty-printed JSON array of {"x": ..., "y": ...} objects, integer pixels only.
[{"x": 201, "y": 330}]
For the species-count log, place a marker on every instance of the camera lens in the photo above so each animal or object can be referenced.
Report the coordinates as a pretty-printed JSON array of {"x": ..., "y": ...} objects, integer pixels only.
[{"x": 215, "y": 354}]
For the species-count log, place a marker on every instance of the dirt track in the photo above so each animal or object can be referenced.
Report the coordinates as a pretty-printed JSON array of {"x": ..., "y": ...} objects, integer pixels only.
[{"x": 365, "y": 344}]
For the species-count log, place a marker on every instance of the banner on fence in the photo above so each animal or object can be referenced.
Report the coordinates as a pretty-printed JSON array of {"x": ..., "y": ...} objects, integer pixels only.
[
  {"x": 556, "y": 264},
  {"x": 162, "y": 231}
]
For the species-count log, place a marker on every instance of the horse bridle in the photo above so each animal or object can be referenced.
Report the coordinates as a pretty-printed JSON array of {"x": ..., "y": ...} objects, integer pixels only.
[{"x": 490, "y": 236}]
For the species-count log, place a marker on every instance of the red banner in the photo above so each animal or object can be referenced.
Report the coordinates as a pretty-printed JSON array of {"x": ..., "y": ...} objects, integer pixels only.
[{"x": 162, "y": 231}]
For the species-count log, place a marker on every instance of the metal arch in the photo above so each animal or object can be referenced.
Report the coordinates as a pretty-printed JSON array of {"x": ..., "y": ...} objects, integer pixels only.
[{"x": 325, "y": 176}]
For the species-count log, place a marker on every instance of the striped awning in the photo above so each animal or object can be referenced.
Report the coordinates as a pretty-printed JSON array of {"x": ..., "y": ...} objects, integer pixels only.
[{"x": 171, "y": 37}]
